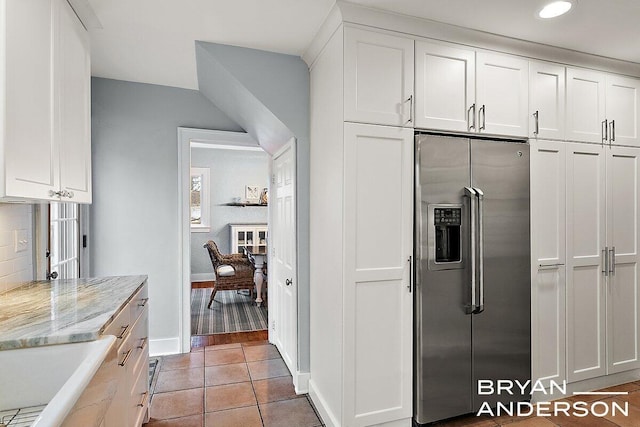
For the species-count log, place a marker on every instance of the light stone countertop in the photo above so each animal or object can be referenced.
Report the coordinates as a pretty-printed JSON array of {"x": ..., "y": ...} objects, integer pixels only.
[{"x": 62, "y": 311}]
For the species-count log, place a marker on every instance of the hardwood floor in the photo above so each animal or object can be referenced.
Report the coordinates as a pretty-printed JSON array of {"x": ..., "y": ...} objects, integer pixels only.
[
  {"x": 199, "y": 285},
  {"x": 230, "y": 338}
]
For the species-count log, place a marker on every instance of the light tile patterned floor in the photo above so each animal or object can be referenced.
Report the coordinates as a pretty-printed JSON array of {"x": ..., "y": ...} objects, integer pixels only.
[
  {"x": 229, "y": 385},
  {"x": 248, "y": 385}
]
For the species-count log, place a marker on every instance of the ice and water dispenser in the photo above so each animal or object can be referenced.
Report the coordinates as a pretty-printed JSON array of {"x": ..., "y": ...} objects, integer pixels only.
[{"x": 445, "y": 240}]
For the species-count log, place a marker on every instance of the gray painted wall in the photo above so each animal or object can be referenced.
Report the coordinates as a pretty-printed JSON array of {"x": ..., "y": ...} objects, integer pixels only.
[
  {"x": 230, "y": 171},
  {"x": 134, "y": 215},
  {"x": 263, "y": 91}
]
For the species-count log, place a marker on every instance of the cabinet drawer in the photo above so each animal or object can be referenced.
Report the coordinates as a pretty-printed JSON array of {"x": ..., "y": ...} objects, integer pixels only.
[
  {"x": 120, "y": 326},
  {"x": 138, "y": 398},
  {"x": 140, "y": 341},
  {"x": 139, "y": 302}
]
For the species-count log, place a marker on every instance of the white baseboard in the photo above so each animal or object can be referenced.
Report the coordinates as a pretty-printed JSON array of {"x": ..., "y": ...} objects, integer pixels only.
[
  {"x": 164, "y": 346},
  {"x": 203, "y": 277},
  {"x": 328, "y": 418},
  {"x": 301, "y": 382}
]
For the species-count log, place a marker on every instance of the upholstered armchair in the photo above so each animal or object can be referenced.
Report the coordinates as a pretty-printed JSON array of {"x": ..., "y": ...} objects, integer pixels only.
[{"x": 233, "y": 272}]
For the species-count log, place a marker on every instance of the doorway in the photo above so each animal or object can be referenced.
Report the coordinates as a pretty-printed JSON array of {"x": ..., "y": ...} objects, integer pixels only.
[
  {"x": 229, "y": 234},
  {"x": 232, "y": 140}
]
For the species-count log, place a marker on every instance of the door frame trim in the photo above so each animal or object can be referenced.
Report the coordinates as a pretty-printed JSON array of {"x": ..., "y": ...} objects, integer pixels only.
[{"x": 187, "y": 136}]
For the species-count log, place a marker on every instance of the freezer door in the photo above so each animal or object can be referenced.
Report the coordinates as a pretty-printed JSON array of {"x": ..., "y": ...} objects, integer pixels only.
[
  {"x": 442, "y": 328},
  {"x": 501, "y": 333}
]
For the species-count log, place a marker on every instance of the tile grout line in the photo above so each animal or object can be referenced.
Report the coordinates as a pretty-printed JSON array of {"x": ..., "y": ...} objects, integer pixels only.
[{"x": 253, "y": 388}]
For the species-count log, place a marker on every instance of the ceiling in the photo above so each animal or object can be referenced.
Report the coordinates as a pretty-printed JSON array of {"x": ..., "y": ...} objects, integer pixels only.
[{"x": 152, "y": 41}]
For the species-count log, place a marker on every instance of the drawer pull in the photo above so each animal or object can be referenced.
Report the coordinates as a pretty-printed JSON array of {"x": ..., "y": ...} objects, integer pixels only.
[
  {"x": 126, "y": 358},
  {"x": 143, "y": 343},
  {"x": 144, "y": 399},
  {"x": 143, "y": 302},
  {"x": 123, "y": 332}
]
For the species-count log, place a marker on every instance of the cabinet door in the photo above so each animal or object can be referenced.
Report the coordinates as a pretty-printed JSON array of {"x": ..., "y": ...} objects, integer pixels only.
[
  {"x": 623, "y": 110},
  {"x": 74, "y": 121},
  {"x": 445, "y": 87},
  {"x": 378, "y": 224},
  {"x": 548, "y": 226},
  {"x": 378, "y": 85},
  {"x": 502, "y": 93},
  {"x": 586, "y": 293},
  {"x": 31, "y": 155},
  {"x": 585, "y": 105},
  {"x": 546, "y": 100},
  {"x": 623, "y": 295}
]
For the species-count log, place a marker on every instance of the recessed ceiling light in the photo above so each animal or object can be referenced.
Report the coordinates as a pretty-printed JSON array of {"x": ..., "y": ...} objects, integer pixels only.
[{"x": 554, "y": 9}]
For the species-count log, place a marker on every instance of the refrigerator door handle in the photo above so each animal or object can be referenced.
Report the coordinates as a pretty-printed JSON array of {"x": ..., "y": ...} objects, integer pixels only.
[
  {"x": 471, "y": 194},
  {"x": 410, "y": 261},
  {"x": 480, "y": 254}
]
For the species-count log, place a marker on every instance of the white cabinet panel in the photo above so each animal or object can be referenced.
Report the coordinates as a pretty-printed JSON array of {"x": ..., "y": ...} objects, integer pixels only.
[
  {"x": 548, "y": 324},
  {"x": 623, "y": 296},
  {"x": 445, "y": 87},
  {"x": 586, "y": 226},
  {"x": 75, "y": 106},
  {"x": 502, "y": 94},
  {"x": 585, "y": 105},
  {"x": 623, "y": 112},
  {"x": 378, "y": 78},
  {"x": 378, "y": 244},
  {"x": 546, "y": 100}
]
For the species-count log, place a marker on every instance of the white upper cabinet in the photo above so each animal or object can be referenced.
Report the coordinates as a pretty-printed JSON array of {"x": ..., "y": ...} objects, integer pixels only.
[
  {"x": 501, "y": 94},
  {"x": 74, "y": 74},
  {"x": 459, "y": 89},
  {"x": 378, "y": 85},
  {"x": 30, "y": 149},
  {"x": 46, "y": 139},
  {"x": 546, "y": 100},
  {"x": 585, "y": 105},
  {"x": 623, "y": 110},
  {"x": 445, "y": 87}
]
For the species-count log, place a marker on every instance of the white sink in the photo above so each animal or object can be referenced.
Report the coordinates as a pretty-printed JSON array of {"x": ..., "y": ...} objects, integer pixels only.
[{"x": 54, "y": 376}]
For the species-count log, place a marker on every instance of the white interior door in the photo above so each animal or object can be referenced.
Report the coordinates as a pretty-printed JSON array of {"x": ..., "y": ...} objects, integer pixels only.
[{"x": 283, "y": 299}]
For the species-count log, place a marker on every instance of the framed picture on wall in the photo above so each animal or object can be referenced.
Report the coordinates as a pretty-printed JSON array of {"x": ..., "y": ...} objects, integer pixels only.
[{"x": 252, "y": 192}]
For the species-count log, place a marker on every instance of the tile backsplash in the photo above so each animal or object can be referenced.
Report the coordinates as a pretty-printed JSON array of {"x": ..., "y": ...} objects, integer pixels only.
[{"x": 15, "y": 267}]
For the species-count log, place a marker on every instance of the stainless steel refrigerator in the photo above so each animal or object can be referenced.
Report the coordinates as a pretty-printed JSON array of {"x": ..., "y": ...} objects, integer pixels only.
[{"x": 473, "y": 300}]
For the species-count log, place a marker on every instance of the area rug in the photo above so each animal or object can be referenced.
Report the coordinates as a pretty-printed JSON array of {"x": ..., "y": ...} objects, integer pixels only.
[{"x": 230, "y": 312}]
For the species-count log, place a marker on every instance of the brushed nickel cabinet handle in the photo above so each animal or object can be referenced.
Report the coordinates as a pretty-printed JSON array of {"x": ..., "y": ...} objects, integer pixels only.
[
  {"x": 537, "y": 123},
  {"x": 126, "y": 358}
]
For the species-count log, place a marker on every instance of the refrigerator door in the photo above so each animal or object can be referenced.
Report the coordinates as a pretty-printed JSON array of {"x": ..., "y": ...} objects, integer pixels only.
[
  {"x": 442, "y": 330},
  {"x": 501, "y": 333}
]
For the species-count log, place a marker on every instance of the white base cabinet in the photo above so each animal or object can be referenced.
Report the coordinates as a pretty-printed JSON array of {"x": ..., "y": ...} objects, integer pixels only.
[
  {"x": 46, "y": 139},
  {"x": 130, "y": 405}
]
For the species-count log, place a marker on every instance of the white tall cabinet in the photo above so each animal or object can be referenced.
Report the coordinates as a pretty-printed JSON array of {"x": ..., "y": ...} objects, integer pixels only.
[
  {"x": 361, "y": 233},
  {"x": 46, "y": 85},
  {"x": 548, "y": 278},
  {"x": 592, "y": 192}
]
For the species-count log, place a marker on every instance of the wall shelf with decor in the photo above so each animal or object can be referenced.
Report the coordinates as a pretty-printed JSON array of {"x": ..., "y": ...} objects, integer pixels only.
[{"x": 242, "y": 205}]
